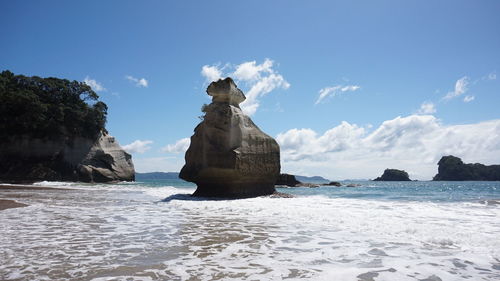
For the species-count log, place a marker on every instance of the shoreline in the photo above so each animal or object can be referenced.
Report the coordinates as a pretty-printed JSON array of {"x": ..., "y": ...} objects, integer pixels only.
[{"x": 28, "y": 187}]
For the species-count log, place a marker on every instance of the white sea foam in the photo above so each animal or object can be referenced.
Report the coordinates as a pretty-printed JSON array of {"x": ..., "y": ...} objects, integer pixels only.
[{"x": 131, "y": 232}]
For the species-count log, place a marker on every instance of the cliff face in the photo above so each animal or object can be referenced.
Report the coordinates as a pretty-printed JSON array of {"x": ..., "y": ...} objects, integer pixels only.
[
  {"x": 452, "y": 168},
  {"x": 229, "y": 156},
  {"x": 288, "y": 180},
  {"x": 26, "y": 159},
  {"x": 54, "y": 129},
  {"x": 393, "y": 175}
]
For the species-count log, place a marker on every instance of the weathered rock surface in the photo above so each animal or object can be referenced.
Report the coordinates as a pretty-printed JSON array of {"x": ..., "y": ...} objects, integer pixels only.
[
  {"x": 452, "y": 168},
  {"x": 393, "y": 175},
  {"x": 229, "y": 156},
  {"x": 106, "y": 161},
  {"x": 288, "y": 180},
  {"x": 25, "y": 159}
]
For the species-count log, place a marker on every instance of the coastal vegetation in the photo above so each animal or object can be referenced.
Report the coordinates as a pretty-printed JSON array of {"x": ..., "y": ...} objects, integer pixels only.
[
  {"x": 54, "y": 129},
  {"x": 48, "y": 108}
]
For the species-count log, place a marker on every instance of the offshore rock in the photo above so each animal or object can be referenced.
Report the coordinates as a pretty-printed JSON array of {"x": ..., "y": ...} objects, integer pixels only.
[
  {"x": 288, "y": 180},
  {"x": 27, "y": 159},
  {"x": 229, "y": 156},
  {"x": 393, "y": 175},
  {"x": 452, "y": 168}
]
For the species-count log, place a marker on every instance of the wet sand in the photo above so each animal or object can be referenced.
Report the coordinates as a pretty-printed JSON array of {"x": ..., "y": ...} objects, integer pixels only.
[{"x": 8, "y": 204}]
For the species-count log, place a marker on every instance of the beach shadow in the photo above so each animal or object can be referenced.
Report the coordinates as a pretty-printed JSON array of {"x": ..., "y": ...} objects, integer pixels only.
[{"x": 190, "y": 197}]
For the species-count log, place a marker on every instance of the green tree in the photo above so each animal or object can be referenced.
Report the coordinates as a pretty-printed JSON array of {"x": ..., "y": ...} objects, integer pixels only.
[{"x": 48, "y": 107}]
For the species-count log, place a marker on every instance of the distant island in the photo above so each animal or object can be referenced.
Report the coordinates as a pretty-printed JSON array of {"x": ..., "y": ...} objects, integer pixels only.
[
  {"x": 313, "y": 179},
  {"x": 54, "y": 129},
  {"x": 452, "y": 168},
  {"x": 393, "y": 175}
]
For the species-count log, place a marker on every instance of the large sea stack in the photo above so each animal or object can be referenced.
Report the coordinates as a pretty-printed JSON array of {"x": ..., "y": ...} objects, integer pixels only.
[
  {"x": 452, "y": 168},
  {"x": 229, "y": 156},
  {"x": 54, "y": 129}
]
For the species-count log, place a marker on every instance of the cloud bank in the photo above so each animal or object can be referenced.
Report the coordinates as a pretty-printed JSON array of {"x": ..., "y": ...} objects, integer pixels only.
[
  {"x": 259, "y": 79},
  {"x": 414, "y": 143}
]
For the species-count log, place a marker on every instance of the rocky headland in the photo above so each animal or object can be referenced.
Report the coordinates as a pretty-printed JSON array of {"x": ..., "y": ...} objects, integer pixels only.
[
  {"x": 229, "y": 156},
  {"x": 53, "y": 129},
  {"x": 393, "y": 175},
  {"x": 451, "y": 168},
  {"x": 287, "y": 180}
]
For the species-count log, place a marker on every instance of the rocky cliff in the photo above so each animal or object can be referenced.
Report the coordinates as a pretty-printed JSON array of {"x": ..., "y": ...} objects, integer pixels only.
[
  {"x": 229, "y": 156},
  {"x": 27, "y": 159},
  {"x": 393, "y": 175},
  {"x": 452, "y": 168},
  {"x": 288, "y": 180},
  {"x": 54, "y": 129}
]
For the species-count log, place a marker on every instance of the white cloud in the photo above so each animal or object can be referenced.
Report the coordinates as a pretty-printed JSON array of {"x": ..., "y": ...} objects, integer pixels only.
[
  {"x": 251, "y": 71},
  {"x": 461, "y": 87},
  {"x": 138, "y": 146},
  {"x": 158, "y": 164},
  {"x": 334, "y": 91},
  {"x": 139, "y": 82},
  {"x": 414, "y": 143},
  {"x": 260, "y": 88},
  {"x": 492, "y": 76},
  {"x": 427, "y": 108},
  {"x": 178, "y": 147},
  {"x": 260, "y": 79},
  {"x": 469, "y": 98},
  {"x": 211, "y": 73},
  {"x": 96, "y": 86}
]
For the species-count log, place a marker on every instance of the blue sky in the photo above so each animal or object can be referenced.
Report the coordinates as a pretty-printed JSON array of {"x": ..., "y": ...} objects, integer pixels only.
[{"x": 403, "y": 82}]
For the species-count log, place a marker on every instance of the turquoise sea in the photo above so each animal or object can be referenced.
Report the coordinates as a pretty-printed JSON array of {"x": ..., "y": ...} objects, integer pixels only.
[
  {"x": 153, "y": 230},
  {"x": 432, "y": 191}
]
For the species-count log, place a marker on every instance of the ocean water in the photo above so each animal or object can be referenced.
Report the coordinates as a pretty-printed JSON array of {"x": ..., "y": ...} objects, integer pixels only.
[{"x": 153, "y": 230}]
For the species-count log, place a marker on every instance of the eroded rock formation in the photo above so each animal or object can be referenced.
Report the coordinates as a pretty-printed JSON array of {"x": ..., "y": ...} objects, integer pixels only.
[
  {"x": 106, "y": 161},
  {"x": 229, "y": 156},
  {"x": 26, "y": 159}
]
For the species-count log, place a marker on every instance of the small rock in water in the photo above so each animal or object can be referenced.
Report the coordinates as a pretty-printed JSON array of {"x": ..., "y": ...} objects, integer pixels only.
[{"x": 333, "y": 183}]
